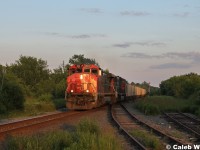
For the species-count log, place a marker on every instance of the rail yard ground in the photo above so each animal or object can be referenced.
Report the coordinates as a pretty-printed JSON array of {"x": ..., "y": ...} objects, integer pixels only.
[
  {"x": 99, "y": 120},
  {"x": 160, "y": 122}
]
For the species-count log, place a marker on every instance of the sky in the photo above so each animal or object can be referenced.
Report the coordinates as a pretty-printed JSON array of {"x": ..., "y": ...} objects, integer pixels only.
[{"x": 139, "y": 40}]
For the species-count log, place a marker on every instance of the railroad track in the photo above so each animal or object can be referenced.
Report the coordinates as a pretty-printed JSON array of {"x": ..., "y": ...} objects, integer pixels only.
[
  {"x": 34, "y": 124},
  {"x": 28, "y": 124},
  {"x": 191, "y": 124},
  {"x": 127, "y": 122}
]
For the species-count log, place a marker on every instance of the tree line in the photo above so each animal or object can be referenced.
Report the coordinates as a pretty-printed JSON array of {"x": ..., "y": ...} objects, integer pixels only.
[
  {"x": 183, "y": 86},
  {"x": 30, "y": 77}
]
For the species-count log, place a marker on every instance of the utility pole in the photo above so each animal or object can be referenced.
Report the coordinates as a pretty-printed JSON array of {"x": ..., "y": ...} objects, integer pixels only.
[
  {"x": 3, "y": 73},
  {"x": 149, "y": 88}
]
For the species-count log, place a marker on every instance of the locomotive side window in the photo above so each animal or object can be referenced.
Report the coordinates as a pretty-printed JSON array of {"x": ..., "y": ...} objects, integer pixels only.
[
  {"x": 78, "y": 70},
  {"x": 71, "y": 71}
]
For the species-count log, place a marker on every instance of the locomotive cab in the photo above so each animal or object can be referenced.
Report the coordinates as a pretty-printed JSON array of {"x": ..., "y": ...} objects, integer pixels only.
[{"x": 93, "y": 69}]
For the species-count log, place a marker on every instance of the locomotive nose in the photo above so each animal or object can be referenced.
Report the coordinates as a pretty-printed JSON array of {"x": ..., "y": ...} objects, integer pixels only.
[{"x": 79, "y": 83}]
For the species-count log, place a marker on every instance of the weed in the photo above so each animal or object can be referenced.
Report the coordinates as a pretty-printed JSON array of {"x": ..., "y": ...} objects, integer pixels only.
[
  {"x": 87, "y": 136},
  {"x": 148, "y": 139},
  {"x": 154, "y": 105}
]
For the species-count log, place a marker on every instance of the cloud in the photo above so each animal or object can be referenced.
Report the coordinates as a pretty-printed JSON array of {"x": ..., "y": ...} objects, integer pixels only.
[
  {"x": 134, "y": 13},
  {"x": 123, "y": 45},
  {"x": 53, "y": 34},
  {"x": 79, "y": 36},
  {"x": 91, "y": 10},
  {"x": 171, "y": 65},
  {"x": 144, "y": 43},
  {"x": 183, "y": 15},
  {"x": 137, "y": 55},
  {"x": 84, "y": 36},
  {"x": 149, "y": 43},
  {"x": 194, "y": 56}
]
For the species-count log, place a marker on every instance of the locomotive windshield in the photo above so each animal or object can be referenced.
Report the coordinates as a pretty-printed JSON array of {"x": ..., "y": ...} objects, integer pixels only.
[
  {"x": 95, "y": 71},
  {"x": 78, "y": 70},
  {"x": 87, "y": 70},
  {"x": 73, "y": 70}
]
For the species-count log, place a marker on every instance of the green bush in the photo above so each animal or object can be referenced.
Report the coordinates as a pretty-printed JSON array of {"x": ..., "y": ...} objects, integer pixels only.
[
  {"x": 151, "y": 109},
  {"x": 153, "y": 105},
  {"x": 34, "y": 106},
  {"x": 11, "y": 94},
  {"x": 197, "y": 112},
  {"x": 59, "y": 91},
  {"x": 59, "y": 103},
  {"x": 44, "y": 86},
  {"x": 45, "y": 97},
  {"x": 2, "y": 108}
]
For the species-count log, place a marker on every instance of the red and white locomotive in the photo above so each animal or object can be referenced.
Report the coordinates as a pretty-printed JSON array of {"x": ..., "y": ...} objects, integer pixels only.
[{"x": 88, "y": 86}]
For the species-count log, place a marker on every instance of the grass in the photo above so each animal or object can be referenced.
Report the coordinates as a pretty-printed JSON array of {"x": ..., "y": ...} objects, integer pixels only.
[
  {"x": 149, "y": 140},
  {"x": 34, "y": 106},
  {"x": 153, "y": 105},
  {"x": 87, "y": 136}
]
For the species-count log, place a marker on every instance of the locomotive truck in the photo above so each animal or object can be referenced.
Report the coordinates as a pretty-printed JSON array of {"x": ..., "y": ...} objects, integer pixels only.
[{"x": 88, "y": 86}]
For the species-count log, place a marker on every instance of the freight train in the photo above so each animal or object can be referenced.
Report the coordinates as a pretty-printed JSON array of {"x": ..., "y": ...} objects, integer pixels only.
[{"x": 88, "y": 87}]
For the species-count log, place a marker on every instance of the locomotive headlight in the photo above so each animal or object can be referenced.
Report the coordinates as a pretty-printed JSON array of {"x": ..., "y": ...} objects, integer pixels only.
[
  {"x": 87, "y": 91},
  {"x": 81, "y": 76},
  {"x": 72, "y": 91}
]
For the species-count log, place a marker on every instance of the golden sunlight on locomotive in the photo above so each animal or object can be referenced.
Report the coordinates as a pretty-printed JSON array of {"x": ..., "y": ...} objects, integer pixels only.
[{"x": 88, "y": 86}]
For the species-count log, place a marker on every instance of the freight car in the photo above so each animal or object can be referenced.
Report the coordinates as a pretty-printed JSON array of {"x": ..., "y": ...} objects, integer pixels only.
[
  {"x": 133, "y": 91},
  {"x": 88, "y": 86}
]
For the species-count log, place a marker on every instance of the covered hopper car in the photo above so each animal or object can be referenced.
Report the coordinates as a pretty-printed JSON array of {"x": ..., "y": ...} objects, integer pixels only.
[{"x": 89, "y": 87}]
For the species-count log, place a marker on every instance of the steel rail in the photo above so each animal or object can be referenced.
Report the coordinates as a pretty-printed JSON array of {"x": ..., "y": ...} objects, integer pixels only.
[
  {"x": 13, "y": 127},
  {"x": 16, "y": 124},
  {"x": 27, "y": 124},
  {"x": 154, "y": 130},
  {"x": 125, "y": 133},
  {"x": 197, "y": 134},
  {"x": 191, "y": 118}
]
